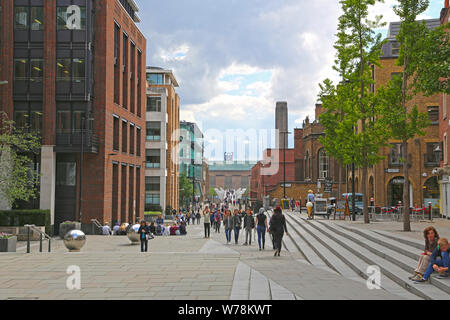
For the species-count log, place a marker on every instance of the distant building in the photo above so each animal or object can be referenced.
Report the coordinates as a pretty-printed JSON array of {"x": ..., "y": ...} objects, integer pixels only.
[
  {"x": 191, "y": 156},
  {"x": 233, "y": 175},
  {"x": 162, "y": 139}
]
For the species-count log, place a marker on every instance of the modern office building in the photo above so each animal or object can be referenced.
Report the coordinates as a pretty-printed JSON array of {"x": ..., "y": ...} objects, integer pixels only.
[
  {"x": 162, "y": 140},
  {"x": 191, "y": 156},
  {"x": 76, "y": 74}
]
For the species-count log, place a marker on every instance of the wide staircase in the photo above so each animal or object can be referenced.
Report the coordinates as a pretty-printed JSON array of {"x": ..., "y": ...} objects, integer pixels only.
[{"x": 349, "y": 251}]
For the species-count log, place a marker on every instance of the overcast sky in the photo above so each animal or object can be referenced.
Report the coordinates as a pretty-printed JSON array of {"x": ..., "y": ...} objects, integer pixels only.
[{"x": 235, "y": 58}]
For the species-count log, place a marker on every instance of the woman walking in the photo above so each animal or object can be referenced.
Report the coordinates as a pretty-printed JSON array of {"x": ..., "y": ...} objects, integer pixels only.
[
  {"x": 207, "y": 222},
  {"x": 277, "y": 229},
  {"x": 237, "y": 221},
  {"x": 144, "y": 232},
  {"x": 261, "y": 228},
  {"x": 228, "y": 225}
]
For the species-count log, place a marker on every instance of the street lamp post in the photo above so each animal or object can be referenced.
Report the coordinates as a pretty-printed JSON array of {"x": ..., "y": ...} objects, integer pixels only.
[{"x": 285, "y": 133}]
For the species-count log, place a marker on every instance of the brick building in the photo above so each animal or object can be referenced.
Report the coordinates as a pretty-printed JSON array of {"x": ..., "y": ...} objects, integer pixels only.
[
  {"x": 444, "y": 134},
  {"x": 386, "y": 179},
  {"x": 76, "y": 74},
  {"x": 163, "y": 136},
  {"x": 230, "y": 175}
]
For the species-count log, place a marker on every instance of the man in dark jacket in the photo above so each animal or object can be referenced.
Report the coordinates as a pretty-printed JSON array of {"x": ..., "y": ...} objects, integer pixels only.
[
  {"x": 144, "y": 232},
  {"x": 249, "y": 225}
]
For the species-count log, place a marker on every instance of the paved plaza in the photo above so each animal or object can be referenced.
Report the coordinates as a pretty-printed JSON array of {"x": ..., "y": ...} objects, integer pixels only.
[{"x": 183, "y": 268}]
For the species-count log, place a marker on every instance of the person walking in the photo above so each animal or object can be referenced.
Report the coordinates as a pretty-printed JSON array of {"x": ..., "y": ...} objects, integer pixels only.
[
  {"x": 207, "y": 222},
  {"x": 144, "y": 232},
  {"x": 277, "y": 229},
  {"x": 249, "y": 225},
  {"x": 237, "y": 221},
  {"x": 310, "y": 200},
  {"x": 218, "y": 221},
  {"x": 261, "y": 228},
  {"x": 228, "y": 225}
]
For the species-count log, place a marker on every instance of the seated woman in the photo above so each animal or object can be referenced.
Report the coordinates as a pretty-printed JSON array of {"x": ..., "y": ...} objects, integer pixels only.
[
  {"x": 431, "y": 242},
  {"x": 183, "y": 231},
  {"x": 439, "y": 262},
  {"x": 174, "y": 229},
  {"x": 152, "y": 228}
]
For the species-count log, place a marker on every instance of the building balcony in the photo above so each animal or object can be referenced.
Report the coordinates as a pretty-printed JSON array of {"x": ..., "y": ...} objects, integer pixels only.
[{"x": 75, "y": 142}]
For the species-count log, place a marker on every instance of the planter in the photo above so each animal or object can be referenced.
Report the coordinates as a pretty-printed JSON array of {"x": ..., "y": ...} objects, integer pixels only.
[
  {"x": 22, "y": 233},
  {"x": 8, "y": 245},
  {"x": 65, "y": 228}
]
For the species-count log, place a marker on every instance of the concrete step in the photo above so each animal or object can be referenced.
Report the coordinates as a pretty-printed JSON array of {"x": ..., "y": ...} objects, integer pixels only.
[
  {"x": 405, "y": 256},
  {"x": 418, "y": 244},
  {"x": 310, "y": 255},
  {"x": 327, "y": 258},
  {"x": 351, "y": 266},
  {"x": 250, "y": 284},
  {"x": 391, "y": 270}
]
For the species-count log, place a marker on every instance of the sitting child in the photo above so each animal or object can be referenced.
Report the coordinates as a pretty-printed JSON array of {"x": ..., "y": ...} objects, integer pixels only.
[
  {"x": 166, "y": 231},
  {"x": 439, "y": 261}
]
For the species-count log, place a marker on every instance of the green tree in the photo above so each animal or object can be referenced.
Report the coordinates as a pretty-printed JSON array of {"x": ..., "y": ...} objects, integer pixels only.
[
  {"x": 18, "y": 179},
  {"x": 351, "y": 108},
  {"x": 186, "y": 189},
  {"x": 212, "y": 192},
  {"x": 403, "y": 118}
]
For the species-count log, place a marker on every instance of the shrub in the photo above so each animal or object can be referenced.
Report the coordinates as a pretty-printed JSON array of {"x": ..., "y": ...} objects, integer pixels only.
[
  {"x": 19, "y": 218},
  {"x": 4, "y": 236}
]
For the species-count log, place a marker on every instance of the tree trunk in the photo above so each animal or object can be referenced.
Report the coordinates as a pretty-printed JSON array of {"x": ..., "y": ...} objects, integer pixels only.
[{"x": 406, "y": 196}]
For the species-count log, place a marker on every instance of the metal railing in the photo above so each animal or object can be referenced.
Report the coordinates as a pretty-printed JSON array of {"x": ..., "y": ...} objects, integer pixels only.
[
  {"x": 97, "y": 223},
  {"x": 42, "y": 235}
]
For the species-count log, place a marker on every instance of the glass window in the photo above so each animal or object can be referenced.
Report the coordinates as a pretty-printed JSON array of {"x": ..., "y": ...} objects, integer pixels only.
[
  {"x": 154, "y": 199},
  {"x": 78, "y": 70},
  {"x": 77, "y": 120},
  {"x": 66, "y": 174},
  {"x": 36, "y": 66},
  {"x": 153, "y": 158},
  {"x": 63, "y": 122},
  {"x": 433, "y": 114},
  {"x": 324, "y": 164},
  {"x": 152, "y": 184},
  {"x": 20, "y": 69},
  {"x": 63, "y": 69},
  {"x": 36, "y": 121},
  {"x": 155, "y": 78},
  {"x": 396, "y": 154},
  {"x": 153, "y": 104},
  {"x": 153, "y": 131},
  {"x": 21, "y": 119},
  {"x": 432, "y": 156},
  {"x": 71, "y": 18},
  {"x": 37, "y": 18},
  {"x": 21, "y": 18}
]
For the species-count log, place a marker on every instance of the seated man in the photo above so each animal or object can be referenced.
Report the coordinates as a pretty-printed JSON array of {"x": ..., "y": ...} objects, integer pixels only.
[
  {"x": 106, "y": 230},
  {"x": 183, "y": 231},
  {"x": 116, "y": 229},
  {"x": 152, "y": 228},
  {"x": 174, "y": 229},
  {"x": 439, "y": 261}
]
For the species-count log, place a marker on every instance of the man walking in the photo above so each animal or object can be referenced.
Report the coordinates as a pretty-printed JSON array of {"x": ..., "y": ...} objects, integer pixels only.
[{"x": 249, "y": 225}]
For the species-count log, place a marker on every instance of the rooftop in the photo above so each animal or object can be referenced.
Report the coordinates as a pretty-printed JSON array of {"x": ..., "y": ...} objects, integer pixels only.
[
  {"x": 159, "y": 70},
  {"x": 231, "y": 166}
]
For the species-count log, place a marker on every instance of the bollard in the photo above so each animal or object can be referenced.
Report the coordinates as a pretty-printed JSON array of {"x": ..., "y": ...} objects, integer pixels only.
[
  {"x": 430, "y": 212},
  {"x": 28, "y": 240},
  {"x": 40, "y": 243},
  {"x": 49, "y": 245}
]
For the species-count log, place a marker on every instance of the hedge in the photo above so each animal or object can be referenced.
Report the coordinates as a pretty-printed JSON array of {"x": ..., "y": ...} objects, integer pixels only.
[{"x": 19, "y": 218}]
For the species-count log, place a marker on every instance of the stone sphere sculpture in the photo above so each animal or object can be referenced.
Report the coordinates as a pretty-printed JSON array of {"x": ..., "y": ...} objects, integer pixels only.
[
  {"x": 133, "y": 234},
  {"x": 75, "y": 240}
]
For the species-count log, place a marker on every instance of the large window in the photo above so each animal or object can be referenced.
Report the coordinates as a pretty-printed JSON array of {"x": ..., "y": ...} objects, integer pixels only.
[
  {"x": 63, "y": 69},
  {"x": 324, "y": 165},
  {"x": 433, "y": 158},
  {"x": 36, "y": 66},
  {"x": 124, "y": 137},
  {"x": 433, "y": 115},
  {"x": 116, "y": 134},
  {"x": 153, "y": 104},
  {"x": 71, "y": 18},
  {"x": 152, "y": 199},
  {"x": 37, "y": 18},
  {"x": 153, "y": 131},
  {"x": 78, "y": 70},
  {"x": 396, "y": 154},
  {"x": 155, "y": 78},
  {"x": 28, "y": 120},
  {"x": 153, "y": 158},
  {"x": 21, "y": 69},
  {"x": 66, "y": 174},
  {"x": 21, "y": 18},
  {"x": 152, "y": 184},
  {"x": 63, "y": 122}
]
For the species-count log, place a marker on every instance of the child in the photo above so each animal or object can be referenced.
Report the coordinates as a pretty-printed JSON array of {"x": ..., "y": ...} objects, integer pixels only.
[{"x": 439, "y": 261}]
